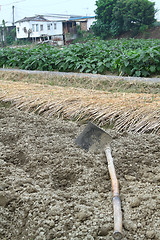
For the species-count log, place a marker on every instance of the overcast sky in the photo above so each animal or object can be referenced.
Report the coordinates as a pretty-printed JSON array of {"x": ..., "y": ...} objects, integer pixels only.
[{"x": 28, "y": 8}]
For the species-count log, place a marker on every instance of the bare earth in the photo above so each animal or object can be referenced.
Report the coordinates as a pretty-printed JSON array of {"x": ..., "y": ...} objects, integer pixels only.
[{"x": 51, "y": 189}]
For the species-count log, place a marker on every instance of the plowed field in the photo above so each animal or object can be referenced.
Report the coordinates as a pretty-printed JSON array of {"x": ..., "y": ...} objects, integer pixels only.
[{"x": 52, "y": 189}]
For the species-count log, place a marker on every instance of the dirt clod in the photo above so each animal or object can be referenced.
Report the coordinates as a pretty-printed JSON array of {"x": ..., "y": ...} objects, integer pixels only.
[
  {"x": 105, "y": 229},
  {"x": 135, "y": 202},
  {"x": 150, "y": 234},
  {"x": 83, "y": 215},
  {"x": 3, "y": 200}
]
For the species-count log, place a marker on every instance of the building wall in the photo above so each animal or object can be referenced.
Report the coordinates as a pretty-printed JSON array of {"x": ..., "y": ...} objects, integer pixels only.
[
  {"x": 59, "y": 28},
  {"x": 38, "y": 29},
  {"x": 83, "y": 26},
  {"x": 20, "y": 29},
  {"x": 90, "y": 22}
]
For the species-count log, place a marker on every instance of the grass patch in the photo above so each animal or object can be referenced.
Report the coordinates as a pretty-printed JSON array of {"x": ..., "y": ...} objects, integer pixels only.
[{"x": 87, "y": 82}]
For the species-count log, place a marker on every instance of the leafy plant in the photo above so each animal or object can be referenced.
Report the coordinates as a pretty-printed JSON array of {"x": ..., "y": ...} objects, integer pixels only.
[{"x": 132, "y": 57}]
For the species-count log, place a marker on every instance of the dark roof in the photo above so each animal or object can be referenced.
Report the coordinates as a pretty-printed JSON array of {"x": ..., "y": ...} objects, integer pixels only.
[{"x": 35, "y": 18}]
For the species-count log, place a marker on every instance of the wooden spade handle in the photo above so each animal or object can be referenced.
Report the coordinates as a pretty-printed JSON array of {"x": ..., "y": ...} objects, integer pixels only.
[{"x": 116, "y": 199}]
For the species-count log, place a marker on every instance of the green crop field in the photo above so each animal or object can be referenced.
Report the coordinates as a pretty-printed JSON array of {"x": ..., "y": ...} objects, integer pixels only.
[{"x": 134, "y": 57}]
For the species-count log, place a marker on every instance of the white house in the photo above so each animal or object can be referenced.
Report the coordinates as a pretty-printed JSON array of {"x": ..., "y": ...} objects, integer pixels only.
[
  {"x": 52, "y": 27},
  {"x": 38, "y": 28}
]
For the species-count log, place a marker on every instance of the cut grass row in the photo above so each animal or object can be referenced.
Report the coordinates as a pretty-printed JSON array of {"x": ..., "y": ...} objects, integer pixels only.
[{"x": 132, "y": 112}]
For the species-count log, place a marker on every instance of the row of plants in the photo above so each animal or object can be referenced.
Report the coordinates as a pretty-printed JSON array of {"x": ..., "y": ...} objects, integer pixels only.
[{"x": 132, "y": 57}]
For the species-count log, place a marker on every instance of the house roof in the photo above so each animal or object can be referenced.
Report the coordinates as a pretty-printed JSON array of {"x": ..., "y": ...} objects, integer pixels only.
[
  {"x": 60, "y": 17},
  {"x": 35, "y": 18},
  {"x": 51, "y": 18},
  {"x": 80, "y": 18}
]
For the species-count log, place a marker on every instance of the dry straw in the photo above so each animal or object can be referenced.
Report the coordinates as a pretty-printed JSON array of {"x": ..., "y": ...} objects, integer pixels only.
[{"x": 133, "y": 112}]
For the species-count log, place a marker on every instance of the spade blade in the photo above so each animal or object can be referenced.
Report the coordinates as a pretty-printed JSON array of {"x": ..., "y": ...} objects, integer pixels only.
[{"x": 93, "y": 138}]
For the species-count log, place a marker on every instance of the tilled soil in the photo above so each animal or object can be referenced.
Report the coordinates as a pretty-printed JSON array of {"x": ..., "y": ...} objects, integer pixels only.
[{"x": 52, "y": 189}]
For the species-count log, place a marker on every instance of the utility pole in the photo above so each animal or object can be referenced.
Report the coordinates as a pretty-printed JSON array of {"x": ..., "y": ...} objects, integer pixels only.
[
  {"x": 86, "y": 10},
  {"x": 13, "y": 15}
]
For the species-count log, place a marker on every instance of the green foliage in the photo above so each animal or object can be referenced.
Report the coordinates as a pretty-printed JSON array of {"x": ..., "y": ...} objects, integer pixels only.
[
  {"x": 80, "y": 32},
  {"x": 9, "y": 34},
  {"x": 115, "y": 17},
  {"x": 10, "y": 37},
  {"x": 156, "y": 24},
  {"x": 104, "y": 17},
  {"x": 86, "y": 37},
  {"x": 132, "y": 57},
  {"x": 104, "y": 10}
]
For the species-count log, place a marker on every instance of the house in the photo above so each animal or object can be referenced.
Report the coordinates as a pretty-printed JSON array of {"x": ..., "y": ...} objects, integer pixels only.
[
  {"x": 84, "y": 22},
  {"x": 56, "y": 27}
]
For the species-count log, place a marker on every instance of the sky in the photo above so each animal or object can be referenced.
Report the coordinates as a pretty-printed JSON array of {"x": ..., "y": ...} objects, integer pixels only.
[{"x": 29, "y": 8}]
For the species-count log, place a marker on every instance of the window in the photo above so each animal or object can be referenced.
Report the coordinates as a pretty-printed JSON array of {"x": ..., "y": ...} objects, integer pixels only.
[
  {"x": 55, "y": 26},
  {"x": 41, "y": 27},
  {"x": 25, "y": 29},
  {"x": 48, "y": 27},
  {"x": 18, "y": 29},
  {"x": 33, "y": 28},
  {"x": 36, "y": 27}
]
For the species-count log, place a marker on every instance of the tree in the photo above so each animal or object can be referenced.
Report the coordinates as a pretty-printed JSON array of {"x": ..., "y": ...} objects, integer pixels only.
[
  {"x": 11, "y": 35},
  {"x": 8, "y": 34},
  {"x": 135, "y": 14},
  {"x": 115, "y": 17},
  {"x": 104, "y": 16}
]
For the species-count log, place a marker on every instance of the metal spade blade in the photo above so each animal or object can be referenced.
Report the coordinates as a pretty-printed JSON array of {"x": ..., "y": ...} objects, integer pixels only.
[{"x": 93, "y": 138}]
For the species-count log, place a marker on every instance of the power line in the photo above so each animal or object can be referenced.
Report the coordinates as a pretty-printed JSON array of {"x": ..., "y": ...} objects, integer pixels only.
[{"x": 12, "y": 3}]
